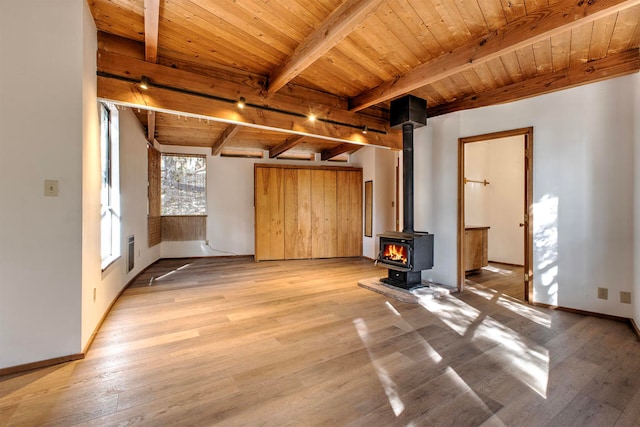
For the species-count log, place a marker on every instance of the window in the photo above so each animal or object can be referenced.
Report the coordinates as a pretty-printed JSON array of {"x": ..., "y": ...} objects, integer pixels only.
[
  {"x": 110, "y": 190},
  {"x": 183, "y": 179}
]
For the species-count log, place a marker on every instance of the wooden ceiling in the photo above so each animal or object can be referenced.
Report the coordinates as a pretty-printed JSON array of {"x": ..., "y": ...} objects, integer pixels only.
[{"x": 344, "y": 61}]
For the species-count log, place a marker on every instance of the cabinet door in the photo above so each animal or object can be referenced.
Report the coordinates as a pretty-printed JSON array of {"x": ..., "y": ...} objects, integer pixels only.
[
  {"x": 475, "y": 249},
  {"x": 297, "y": 213},
  {"x": 349, "y": 202},
  {"x": 323, "y": 214},
  {"x": 269, "y": 214}
]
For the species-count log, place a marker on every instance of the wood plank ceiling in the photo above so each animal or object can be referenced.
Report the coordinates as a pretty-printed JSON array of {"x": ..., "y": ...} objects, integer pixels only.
[{"x": 344, "y": 61}]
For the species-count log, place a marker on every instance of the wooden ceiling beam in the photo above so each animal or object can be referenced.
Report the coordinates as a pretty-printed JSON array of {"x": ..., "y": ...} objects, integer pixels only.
[
  {"x": 288, "y": 144},
  {"x": 342, "y": 22},
  {"x": 228, "y": 134},
  {"x": 537, "y": 26},
  {"x": 151, "y": 126},
  {"x": 151, "y": 24},
  {"x": 184, "y": 91},
  {"x": 337, "y": 150},
  {"x": 611, "y": 66}
]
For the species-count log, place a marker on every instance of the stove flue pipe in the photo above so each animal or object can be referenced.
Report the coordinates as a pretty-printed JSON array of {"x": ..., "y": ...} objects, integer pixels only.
[
  {"x": 407, "y": 177},
  {"x": 408, "y": 112}
]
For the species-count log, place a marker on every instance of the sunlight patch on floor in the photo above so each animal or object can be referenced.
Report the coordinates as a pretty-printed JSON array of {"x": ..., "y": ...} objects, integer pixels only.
[
  {"x": 501, "y": 271},
  {"x": 454, "y": 313},
  {"x": 171, "y": 272},
  {"x": 526, "y": 360},
  {"x": 389, "y": 386},
  {"x": 525, "y": 311}
]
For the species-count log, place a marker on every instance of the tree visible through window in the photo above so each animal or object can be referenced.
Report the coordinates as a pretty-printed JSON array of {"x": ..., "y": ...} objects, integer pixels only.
[{"x": 184, "y": 190}]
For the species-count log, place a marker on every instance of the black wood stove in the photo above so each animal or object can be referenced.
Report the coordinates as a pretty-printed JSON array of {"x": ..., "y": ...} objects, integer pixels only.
[{"x": 409, "y": 252}]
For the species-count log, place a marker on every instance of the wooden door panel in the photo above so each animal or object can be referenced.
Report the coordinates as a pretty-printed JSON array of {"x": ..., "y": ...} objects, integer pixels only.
[
  {"x": 323, "y": 214},
  {"x": 262, "y": 214},
  {"x": 297, "y": 213},
  {"x": 276, "y": 213},
  {"x": 349, "y": 227}
]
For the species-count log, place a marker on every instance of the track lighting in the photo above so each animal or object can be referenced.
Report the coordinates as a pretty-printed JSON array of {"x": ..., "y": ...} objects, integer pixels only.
[
  {"x": 242, "y": 102},
  {"x": 365, "y": 128},
  {"x": 312, "y": 117},
  {"x": 145, "y": 82}
]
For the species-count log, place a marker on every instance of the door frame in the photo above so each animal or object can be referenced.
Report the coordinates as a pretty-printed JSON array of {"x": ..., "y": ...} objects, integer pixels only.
[{"x": 528, "y": 203}]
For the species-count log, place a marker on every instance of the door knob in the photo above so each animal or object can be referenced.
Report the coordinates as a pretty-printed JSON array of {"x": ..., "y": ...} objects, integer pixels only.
[{"x": 522, "y": 224}]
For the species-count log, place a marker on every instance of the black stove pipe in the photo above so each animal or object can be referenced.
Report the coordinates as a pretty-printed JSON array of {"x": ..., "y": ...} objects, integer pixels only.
[{"x": 407, "y": 177}]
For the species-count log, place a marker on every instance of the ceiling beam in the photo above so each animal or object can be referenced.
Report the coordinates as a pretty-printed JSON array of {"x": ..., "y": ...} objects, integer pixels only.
[
  {"x": 288, "y": 144},
  {"x": 539, "y": 25},
  {"x": 342, "y": 22},
  {"x": 611, "y": 66},
  {"x": 225, "y": 138},
  {"x": 151, "y": 126},
  {"x": 184, "y": 91},
  {"x": 151, "y": 24},
  {"x": 337, "y": 150}
]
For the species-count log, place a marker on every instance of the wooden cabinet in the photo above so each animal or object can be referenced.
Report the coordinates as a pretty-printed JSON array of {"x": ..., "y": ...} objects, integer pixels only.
[
  {"x": 306, "y": 212},
  {"x": 475, "y": 248}
]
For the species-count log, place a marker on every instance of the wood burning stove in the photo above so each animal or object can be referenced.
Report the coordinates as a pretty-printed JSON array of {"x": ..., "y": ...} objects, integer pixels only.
[
  {"x": 405, "y": 255},
  {"x": 409, "y": 252}
]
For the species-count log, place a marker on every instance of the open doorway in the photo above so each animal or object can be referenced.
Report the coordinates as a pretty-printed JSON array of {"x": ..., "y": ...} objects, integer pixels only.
[{"x": 494, "y": 211}]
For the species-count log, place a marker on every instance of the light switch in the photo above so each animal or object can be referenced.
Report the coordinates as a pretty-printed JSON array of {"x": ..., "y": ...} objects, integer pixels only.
[{"x": 51, "y": 188}]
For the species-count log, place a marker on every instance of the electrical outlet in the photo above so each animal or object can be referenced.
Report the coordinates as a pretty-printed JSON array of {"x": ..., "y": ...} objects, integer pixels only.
[
  {"x": 603, "y": 293},
  {"x": 625, "y": 297}
]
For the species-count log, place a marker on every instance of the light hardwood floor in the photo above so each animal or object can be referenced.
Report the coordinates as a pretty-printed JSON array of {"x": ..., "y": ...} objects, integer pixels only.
[
  {"x": 504, "y": 278},
  {"x": 233, "y": 342}
]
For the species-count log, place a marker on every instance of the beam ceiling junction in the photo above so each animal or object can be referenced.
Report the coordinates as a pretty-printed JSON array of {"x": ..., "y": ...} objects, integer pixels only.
[
  {"x": 342, "y": 22},
  {"x": 177, "y": 90},
  {"x": 224, "y": 139},
  {"x": 539, "y": 25},
  {"x": 614, "y": 65}
]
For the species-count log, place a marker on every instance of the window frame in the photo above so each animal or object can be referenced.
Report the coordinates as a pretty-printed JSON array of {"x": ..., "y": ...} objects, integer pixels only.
[{"x": 110, "y": 220}]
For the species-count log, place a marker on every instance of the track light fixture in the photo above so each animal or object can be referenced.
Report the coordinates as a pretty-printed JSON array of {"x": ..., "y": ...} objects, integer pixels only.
[{"x": 145, "y": 82}]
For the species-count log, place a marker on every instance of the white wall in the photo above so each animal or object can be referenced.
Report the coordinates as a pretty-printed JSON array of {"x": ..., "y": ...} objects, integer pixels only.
[
  {"x": 500, "y": 204},
  {"x": 41, "y": 110},
  {"x": 436, "y": 188},
  {"x": 378, "y": 165},
  {"x": 230, "y": 210},
  {"x": 133, "y": 197},
  {"x": 583, "y": 167}
]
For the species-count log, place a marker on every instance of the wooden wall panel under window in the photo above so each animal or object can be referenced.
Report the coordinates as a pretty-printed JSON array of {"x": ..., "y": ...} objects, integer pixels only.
[
  {"x": 297, "y": 213},
  {"x": 307, "y": 212},
  {"x": 184, "y": 228},
  {"x": 349, "y": 204},
  {"x": 323, "y": 214}
]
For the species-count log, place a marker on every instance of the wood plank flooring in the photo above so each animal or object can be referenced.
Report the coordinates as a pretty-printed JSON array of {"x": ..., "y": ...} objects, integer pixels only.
[
  {"x": 504, "y": 278},
  {"x": 297, "y": 343}
]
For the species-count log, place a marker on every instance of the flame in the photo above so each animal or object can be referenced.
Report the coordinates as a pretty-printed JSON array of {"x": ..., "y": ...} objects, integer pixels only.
[{"x": 395, "y": 253}]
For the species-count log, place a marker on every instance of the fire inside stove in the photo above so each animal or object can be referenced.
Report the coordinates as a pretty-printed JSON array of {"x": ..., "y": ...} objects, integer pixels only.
[{"x": 395, "y": 253}]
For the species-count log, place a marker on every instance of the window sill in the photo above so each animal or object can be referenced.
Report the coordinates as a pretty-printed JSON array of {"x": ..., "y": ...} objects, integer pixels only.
[{"x": 109, "y": 262}]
